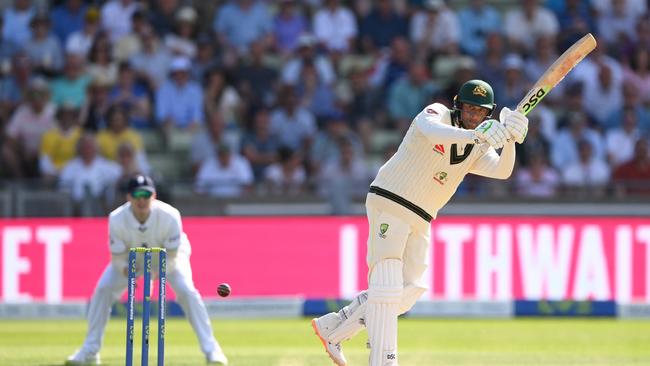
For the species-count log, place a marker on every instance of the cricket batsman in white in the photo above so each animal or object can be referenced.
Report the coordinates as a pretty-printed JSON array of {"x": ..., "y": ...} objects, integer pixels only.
[
  {"x": 144, "y": 221},
  {"x": 439, "y": 149}
]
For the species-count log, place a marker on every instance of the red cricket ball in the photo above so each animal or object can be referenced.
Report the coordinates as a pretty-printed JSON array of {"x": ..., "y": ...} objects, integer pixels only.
[{"x": 223, "y": 289}]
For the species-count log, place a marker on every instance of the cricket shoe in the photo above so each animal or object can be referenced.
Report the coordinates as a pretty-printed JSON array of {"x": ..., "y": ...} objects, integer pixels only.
[
  {"x": 322, "y": 327},
  {"x": 216, "y": 357},
  {"x": 83, "y": 357}
]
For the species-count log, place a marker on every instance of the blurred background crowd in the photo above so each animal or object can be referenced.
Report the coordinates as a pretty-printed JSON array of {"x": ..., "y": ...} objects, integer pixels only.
[{"x": 289, "y": 98}]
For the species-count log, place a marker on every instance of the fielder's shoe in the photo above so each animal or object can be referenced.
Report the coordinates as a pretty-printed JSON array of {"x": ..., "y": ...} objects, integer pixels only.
[
  {"x": 83, "y": 357},
  {"x": 216, "y": 357},
  {"x": 323, "y": 326}
]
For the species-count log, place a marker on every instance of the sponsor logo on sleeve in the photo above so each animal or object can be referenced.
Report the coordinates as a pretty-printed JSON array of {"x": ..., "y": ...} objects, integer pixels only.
[
  {"x": 440, "y": 177},
  {"x": 439, "y": 148}
]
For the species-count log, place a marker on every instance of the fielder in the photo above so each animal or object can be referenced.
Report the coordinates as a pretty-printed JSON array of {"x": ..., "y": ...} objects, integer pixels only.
[
  {"x": 439, "y": 149},
  {"x": 145, "y": 221}
]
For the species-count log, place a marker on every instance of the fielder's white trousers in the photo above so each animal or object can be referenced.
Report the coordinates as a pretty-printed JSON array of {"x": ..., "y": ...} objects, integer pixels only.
[{"x": 111, "y": 286}]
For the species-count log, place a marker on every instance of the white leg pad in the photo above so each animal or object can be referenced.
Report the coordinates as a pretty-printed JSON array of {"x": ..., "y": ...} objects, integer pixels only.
[
  {"x": 410, "y": 296},
  {"x": 352, "y": 317},
  {"x": 384, "y": 298}
]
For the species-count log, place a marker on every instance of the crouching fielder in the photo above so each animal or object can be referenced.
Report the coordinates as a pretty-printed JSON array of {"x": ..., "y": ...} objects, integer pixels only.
[
  {"x": 439, "y": 149},
  {"x": 146, "y": 222}
]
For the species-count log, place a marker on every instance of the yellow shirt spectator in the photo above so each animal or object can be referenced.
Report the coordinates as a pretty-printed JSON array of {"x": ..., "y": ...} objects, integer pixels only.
[
  {"x": 59, "y": 146},
  {"x": 109, "y": 141}
]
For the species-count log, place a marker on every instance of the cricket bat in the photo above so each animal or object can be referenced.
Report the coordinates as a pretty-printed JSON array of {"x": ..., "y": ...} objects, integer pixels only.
[{"x": 554, "y": 74}]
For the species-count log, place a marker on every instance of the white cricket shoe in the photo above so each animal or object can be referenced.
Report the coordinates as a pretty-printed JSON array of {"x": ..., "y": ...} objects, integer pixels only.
[
  {"x": 216, "y": 357},
  {"x": 322, "y": 327},
  {"x": 83, "y": 357}
]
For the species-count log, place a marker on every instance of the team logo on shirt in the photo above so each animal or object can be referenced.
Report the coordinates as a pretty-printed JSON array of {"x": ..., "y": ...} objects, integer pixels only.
[
  {"x": 439, "y": 148},
  {"x": 383, "y": 228},
  {"x": 142, "y": 228},
  {"x": 479, "y": 90},
  {"x": 440, "y": 177}
]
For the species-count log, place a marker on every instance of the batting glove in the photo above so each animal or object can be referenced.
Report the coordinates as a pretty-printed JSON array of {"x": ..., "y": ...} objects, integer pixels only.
[
  {"x": 493, "y": 132},
  {"x": 516, "y": 123}
]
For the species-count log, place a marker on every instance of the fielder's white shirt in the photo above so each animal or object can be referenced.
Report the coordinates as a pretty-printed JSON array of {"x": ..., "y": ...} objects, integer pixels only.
[
  {"x": 163, "y": 228},
  {"x": 433, "y": 159}
]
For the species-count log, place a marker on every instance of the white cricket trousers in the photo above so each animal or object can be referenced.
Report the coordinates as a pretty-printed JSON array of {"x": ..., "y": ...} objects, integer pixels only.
[{"x": 111, "y": 286}]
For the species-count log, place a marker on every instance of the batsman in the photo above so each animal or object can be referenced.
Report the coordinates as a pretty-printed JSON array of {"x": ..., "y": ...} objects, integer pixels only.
[{"x": 440, "y": 147}]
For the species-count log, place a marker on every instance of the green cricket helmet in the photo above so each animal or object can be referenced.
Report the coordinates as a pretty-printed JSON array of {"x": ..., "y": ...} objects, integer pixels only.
[{"x": 475, "y": 92}]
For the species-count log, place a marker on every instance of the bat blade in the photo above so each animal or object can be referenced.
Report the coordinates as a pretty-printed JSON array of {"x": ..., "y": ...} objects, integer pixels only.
[{"x": 558, "y": 70}]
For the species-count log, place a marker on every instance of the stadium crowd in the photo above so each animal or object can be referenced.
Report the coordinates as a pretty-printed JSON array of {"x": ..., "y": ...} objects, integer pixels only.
[{"x": 291, "y": 97}]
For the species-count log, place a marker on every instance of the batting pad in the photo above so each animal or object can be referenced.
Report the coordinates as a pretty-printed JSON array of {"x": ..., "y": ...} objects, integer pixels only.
[
  {"x": 353, "y": 319},
  {"x": 384, "y": 299},
  {"x": 410, "y": 296}
]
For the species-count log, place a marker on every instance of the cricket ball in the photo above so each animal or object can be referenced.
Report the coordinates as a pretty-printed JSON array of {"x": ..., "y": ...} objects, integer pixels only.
[{"x": 223, "y": 289}]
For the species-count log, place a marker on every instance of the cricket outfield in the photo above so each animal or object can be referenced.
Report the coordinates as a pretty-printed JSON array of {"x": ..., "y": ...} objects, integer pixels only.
[{"x": 291, "y": 342}]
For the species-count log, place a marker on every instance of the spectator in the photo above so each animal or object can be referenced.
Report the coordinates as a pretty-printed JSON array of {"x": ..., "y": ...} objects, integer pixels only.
[
  {"x": 131, "y": 43},
  {"x": 255, "y": 81},
  {"x": 129, "y": 167},
  {"x": 327, "y": 143},
  {"x": 68, "y": 18},
  {"x": 58, "y": 145},
  {"x": 564, "y": 148},
  {"x": 491, "y": 61},
  {"x": 118, "y": 132},
  {"x": 360, "y": 102},
  {"x": 152, "y": 62},
  {"x": 258, "y": 145},
  {"x": 8, "y": 48},
  {"x": 240, "y": 22},
  {"x": 81, "y": 41},
  {"x": 13, "y": 87},
  {"x": 408, "y": 95},
  {"x": 206, "y": 57},
  {"x": 288, "y": 25},
  {"x": 633, "y": 177},
  {"x": 590, "y": 173},
  {"x": 132, "y": 95},
  {"x": 224, "y": 175},
  {"x": 294, "y": 126},
  {"x": 71, "y": 86},
  {"x": 181, "y": 41},
  {"x": 620, "y": 141},
  {"x": 536, "y": 143},
  {"x": 575, "y": 20},
  {"x": 638, "y": 73},
  {"x": 101, "y": 66},
  {"x": 25, "y": 129},
  {"x": 116, "y": 18},
  {"x": 222, "y": 98},
  {"x": 89, "y": 179},
  {"x": 393, "y": 65},
  {"x": 524, "y": 23},
  {"x": 381, "y": 26},
  {"x": 435, "y": 30},
  {"x": 43, "y": 48},
  {"x": 287, "y": 176},
  {"x": 514, "y": 84},
  {"x": 538, "y": 179},
  {"x": 205, "y": 141},
  {"x": 93, "y": 115},
  {"x": 179, "y": 101},
  {"x": 163, "y": 16},
  {"x": 316, "y": 95},
  {"x": 606, "y": 92},
  {"x": 478, "y": 20},
  {"x": 16, "y": 20},
  {"x": 335, "y": 26},
  {"x": 306, "y": 54},
  {"x": 344, "y": 178},
  {"x": 616, "y": 24}
]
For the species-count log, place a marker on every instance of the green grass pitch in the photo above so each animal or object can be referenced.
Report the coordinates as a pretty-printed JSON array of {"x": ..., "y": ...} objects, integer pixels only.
[{"x": 292, "y": 343}]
